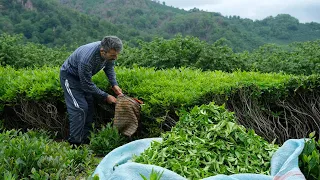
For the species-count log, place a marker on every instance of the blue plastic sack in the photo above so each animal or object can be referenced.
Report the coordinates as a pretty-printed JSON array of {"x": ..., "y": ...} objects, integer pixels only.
[{"x": 117, "y": 165}]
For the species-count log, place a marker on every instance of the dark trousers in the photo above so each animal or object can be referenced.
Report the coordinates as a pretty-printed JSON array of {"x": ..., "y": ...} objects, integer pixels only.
[{"x": 79, "y": 106}]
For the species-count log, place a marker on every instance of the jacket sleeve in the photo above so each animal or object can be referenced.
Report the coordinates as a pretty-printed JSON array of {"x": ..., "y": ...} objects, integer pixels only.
[
  {"x": 110, "y": 73},
  {"x": 85, "y": 75}
]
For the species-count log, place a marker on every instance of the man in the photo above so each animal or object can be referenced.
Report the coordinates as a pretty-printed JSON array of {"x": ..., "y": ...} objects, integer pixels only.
[{"x": 76, "y": 80}]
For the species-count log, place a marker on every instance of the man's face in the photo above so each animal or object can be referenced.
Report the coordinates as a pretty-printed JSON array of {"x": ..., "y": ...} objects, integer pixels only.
[{"x": 109, "y": 55}]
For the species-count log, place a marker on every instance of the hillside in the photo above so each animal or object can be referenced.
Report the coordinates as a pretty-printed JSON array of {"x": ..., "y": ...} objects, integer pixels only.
[
  {"x": 48, "y": 22},
  {"x": 160, "y": 20},
  {"x": 74, "y": 22}
]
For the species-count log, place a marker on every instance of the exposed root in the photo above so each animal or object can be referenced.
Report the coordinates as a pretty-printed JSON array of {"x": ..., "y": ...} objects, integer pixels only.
[{"x": 294, "y": 117}]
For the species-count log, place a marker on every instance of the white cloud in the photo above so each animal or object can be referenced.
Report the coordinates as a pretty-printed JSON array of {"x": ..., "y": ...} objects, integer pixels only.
[{"x": 304, "y": 10}]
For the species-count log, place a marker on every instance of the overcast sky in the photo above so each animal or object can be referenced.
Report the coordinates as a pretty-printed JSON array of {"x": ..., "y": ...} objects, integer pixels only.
[{"x": 304, "y": 10}]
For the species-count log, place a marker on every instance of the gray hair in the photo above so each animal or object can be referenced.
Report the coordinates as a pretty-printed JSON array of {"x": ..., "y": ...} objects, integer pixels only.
[{"x": 111, "y": 42}]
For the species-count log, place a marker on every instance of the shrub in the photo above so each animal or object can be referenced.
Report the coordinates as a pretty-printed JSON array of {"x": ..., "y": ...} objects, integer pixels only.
[
  {"x": 14, "y": 52},
  {"x": 34, "y": 155},
  {"x": 309, "y": 159},
  {"x": 106, "y": 139}
]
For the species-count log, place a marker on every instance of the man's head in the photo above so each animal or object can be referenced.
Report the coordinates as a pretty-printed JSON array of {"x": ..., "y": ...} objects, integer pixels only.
[{"x": 111, "y": 46}]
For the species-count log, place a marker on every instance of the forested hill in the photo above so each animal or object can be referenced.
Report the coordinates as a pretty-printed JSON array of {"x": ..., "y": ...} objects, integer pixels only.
[
  {"x": 58, "y": 22},
  {"x": 159, "y": 19},
  {"x": 48, "y": 22}
]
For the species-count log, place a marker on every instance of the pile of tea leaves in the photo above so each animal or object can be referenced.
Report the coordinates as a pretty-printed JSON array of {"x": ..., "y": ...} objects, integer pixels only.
[{"x": 207, "y": 141}]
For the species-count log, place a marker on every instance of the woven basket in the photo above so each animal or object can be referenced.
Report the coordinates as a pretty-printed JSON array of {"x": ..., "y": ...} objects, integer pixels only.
[{"x": 127, "y": 115}]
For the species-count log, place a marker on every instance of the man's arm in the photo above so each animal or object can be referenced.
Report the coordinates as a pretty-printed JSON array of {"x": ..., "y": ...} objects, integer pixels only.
[
  {"x": 109, "y": 70},
  {"x": 110, "y": 73}
]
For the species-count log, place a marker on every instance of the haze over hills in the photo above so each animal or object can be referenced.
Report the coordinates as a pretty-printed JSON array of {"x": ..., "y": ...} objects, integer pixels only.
[{"x": 58, "y": 22}]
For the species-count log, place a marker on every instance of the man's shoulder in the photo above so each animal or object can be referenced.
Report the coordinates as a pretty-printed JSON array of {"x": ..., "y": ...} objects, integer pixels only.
[
  {"x": 93, "y": 44},
  {"x": 89, "y": 49}
]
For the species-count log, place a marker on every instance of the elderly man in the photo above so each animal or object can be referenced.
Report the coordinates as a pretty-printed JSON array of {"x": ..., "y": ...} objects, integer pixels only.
[{"x": 76, "y": 80}]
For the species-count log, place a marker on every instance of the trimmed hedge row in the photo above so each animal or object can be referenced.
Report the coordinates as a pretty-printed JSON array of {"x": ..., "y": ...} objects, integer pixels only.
[
  {"x": 163, "y": 91},
  {"x": 301, "y": 58},
  {"x": 297, "y": 58},
  {"x": 164, "y": 88}
]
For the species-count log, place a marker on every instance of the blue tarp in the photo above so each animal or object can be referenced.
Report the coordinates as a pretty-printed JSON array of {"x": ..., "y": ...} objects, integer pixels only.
[{"x": 117, "y": 165}]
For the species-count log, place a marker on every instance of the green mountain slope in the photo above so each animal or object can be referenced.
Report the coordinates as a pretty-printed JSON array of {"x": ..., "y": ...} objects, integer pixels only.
[
  {"x": 74, "y": 22},
  {"x": 160, "y": 20},
  {"x": 48, "y": 22}
]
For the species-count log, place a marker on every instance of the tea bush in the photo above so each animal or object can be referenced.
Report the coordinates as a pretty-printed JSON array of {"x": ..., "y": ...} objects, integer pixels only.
[
  {"x": 16, "y": 53},
  {"x": 105, "y": 139},
  {"x": 309, "y": 159},
  {"x": 35, "y": 155},
  {"x": 166, "y": 91},
  {"x": 297, "y": 58}
]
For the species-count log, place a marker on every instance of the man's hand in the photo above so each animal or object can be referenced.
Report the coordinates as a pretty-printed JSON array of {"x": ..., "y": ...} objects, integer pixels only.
[
  {"x": 110, "y": 99},
  {"x": 116, "y": 89}
]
